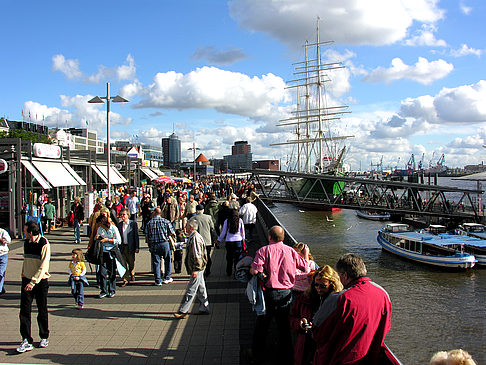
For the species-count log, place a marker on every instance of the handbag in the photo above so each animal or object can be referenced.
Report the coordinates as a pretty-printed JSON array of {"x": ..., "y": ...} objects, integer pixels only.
[{"x": 94, "y": 255}]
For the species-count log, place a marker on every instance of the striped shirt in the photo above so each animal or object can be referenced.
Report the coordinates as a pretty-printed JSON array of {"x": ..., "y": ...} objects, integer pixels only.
[{"x": 158, "y": 230}]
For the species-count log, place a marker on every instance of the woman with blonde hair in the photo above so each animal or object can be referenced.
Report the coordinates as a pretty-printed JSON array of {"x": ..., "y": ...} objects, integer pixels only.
[
  {"x": 453, "y": 357},
  {"x": 325, "y": 282}
]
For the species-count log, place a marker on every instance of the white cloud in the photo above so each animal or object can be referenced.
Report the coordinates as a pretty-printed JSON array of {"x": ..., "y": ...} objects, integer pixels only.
[
  {"x": 465, "y": 51},
  {"x": 128, "y": 71},
  {"x": 372, "y": 22},
  {"x": 466, "y": 10},
  {"x": 423, "y": 71},
  {"x": 426, "y": 37},
  {"x": 210, "y": 87},
  {"x": 70, "y": 68},
  {"x": 461, "y": 105},
  {"x": 49, "y": 116}
]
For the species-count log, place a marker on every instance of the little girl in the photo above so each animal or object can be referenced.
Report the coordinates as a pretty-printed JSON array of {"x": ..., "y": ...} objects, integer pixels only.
[
  {"x": 179, "y": 246},
  {"x": 77, "y": 279}
]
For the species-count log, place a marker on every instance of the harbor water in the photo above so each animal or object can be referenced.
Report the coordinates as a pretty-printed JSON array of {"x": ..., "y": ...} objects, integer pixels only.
[{"x": 433, "y": 309}]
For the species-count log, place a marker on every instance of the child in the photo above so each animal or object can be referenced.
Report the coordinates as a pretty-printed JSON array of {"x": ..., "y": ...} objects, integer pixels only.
[
  {"x": 77, "y": 279},
  {"x": 178, "y": 250}
]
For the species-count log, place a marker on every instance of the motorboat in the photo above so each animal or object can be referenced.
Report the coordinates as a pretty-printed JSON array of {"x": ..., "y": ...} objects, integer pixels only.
[
  {"x": 477, "y": 246},
  {"x": 425, "y": 247},
  {"x": 374, "y": 216}
]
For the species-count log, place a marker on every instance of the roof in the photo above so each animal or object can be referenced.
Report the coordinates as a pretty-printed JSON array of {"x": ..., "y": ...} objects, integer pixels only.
[{"x": 201, "y": 158}]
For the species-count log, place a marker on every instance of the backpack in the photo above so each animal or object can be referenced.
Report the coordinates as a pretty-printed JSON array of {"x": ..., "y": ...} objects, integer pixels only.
[
  {"x": 70, "y": 219},
  {"x": 94, "y": 255}
]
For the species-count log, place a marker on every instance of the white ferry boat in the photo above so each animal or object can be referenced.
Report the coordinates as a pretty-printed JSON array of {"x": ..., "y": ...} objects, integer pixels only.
[{"x": 424, "y": 247}]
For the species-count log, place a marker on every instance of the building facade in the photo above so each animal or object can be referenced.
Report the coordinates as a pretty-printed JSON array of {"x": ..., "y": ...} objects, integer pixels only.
[
  {"x": 240, "y": 158},
  {"x": 171, "y": 151}
]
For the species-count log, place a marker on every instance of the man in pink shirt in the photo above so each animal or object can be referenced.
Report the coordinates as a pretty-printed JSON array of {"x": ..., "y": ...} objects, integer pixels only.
[{"x": 279, "y": 263}]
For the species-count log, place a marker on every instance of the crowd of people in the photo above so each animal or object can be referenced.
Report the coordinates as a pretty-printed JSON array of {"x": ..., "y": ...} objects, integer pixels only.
[{"x": 324, "y": 314}]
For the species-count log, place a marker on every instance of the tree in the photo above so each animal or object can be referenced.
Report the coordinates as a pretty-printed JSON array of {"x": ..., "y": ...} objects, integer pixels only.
[{"x": 25, "y": 135}]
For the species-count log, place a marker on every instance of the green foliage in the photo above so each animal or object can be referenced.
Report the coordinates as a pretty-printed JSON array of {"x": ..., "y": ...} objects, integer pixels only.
[{"x": 25, "y": 135}]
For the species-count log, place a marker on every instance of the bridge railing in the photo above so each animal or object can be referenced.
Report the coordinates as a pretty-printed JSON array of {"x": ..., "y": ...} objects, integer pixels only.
[{"x": 266, "y": 219}]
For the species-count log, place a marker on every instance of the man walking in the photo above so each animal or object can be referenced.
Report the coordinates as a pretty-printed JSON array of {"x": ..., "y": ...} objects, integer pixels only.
[
  {"x": 248, "y": 213},
  {"x": 35, "y": 272},
  {"x": 133, "y": 205},
  {"x": 157, "y": 234},
  {"x": 350, "y": 326},
  {"x": 130, "y": 244},
  {"x": 195, "y": 263},
  {"x": 206, "y": 230},
  {"x": 280, "y": 263}
]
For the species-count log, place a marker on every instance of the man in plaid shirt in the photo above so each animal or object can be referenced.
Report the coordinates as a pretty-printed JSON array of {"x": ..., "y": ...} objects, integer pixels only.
[{"x": 157, "y": 232}]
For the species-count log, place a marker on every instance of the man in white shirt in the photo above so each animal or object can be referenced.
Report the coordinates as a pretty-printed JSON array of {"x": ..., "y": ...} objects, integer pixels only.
[
  {"x": 133, "y": 204},
  {"x": 248, "y": 213}
]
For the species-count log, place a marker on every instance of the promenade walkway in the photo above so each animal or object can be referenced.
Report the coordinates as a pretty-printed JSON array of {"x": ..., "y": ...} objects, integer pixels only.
[{"x": 136, "y": 326}]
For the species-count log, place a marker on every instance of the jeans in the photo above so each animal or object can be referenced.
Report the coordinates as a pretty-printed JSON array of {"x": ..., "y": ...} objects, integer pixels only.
[
  {"x": 207, "y": 271},
  {"x": 195, "y": 286},
  {"x": 107, "y": 273},
  {"x": 3, "y": 268},
  {"x": 39, "y": 292},
  {"x": 160, "y": 250},
  {"x": 77, "y": 290},
  {"x": 233, "y": 255},
  {"x": 178, "y": 261},
  {"x": 77, "y": 233}
]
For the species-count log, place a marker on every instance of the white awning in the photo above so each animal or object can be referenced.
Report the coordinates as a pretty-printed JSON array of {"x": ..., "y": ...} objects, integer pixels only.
[
  {"x": 157, "y": 172},
  {"x": 115, "y": 177},
  {"x": 36, "y": 174},
  {"x": 151, "y": 175},
  {"x": 74, "y": 173},
  {"x": 99, "y": 173},
  {"x": 55, "y": 173}
]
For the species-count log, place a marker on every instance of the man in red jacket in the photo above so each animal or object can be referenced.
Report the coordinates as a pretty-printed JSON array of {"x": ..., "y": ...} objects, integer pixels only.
[{"x": 350, "y": 326}]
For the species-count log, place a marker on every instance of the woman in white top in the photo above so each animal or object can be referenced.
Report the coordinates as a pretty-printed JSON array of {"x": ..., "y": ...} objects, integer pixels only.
[
  {"x": 4, "y": 241},
  {"x": 233, "y": 233}
]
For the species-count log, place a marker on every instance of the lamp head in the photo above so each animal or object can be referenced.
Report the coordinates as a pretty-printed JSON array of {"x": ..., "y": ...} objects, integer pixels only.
[
  {"x": 96, "y": 100},
  {"x": 119, "y": 99}
]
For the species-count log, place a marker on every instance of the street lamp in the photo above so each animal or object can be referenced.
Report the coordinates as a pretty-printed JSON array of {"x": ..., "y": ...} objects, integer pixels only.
[
  {"x": 194, "y": 148},
  {"x": 99, "y": 100}
]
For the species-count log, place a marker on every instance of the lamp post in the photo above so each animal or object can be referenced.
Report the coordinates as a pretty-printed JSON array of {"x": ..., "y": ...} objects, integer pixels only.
[
  {"x": 99, "y": 100},
  {"x": 194, "y": 148}
]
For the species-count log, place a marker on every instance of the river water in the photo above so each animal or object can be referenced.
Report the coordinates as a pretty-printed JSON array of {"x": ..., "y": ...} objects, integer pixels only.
[{"x": 433, "y": 310}]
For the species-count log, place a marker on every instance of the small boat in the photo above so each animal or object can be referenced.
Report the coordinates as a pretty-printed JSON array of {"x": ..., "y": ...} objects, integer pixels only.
[
  {"x": 424, "y": 247},
  {"x": 477, "y": 247},
  {"x": 374, "y": 216}
]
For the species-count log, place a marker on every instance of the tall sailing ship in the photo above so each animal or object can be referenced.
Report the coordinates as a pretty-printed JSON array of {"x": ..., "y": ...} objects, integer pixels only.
[{"x": 317, "y": 147}]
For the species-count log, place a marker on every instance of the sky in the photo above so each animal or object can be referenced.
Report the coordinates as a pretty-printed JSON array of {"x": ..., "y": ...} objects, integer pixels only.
[{"x": 215, "y": 72}]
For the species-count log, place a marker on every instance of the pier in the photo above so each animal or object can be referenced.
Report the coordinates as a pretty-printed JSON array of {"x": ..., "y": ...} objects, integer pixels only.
[
  {"x": 401, "y": 198},
  {"x": 136, "y": 326}
]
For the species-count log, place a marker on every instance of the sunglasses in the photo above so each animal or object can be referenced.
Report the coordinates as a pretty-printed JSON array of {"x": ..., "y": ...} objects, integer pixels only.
[{"x": 322, "y": 286}]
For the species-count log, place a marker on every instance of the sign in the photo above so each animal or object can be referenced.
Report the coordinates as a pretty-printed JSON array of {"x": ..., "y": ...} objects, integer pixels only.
[
  {"x": 47, "y": 150},
  {"x": 3, "y": 166},
  {"x": 118, "y": 166}
]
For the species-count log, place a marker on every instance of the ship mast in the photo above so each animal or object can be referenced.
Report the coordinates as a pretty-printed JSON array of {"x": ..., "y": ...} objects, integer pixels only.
[
  {"x": 311, "y": 118},
  {"x": 319, "y": 97}
]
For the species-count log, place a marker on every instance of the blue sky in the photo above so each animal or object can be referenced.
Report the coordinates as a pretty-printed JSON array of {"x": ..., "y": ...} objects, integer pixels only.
[{"x": 215, "y": 72}]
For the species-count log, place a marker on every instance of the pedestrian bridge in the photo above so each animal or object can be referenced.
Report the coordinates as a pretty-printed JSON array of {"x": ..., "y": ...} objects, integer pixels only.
[{"x": 401, "y": 198}]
